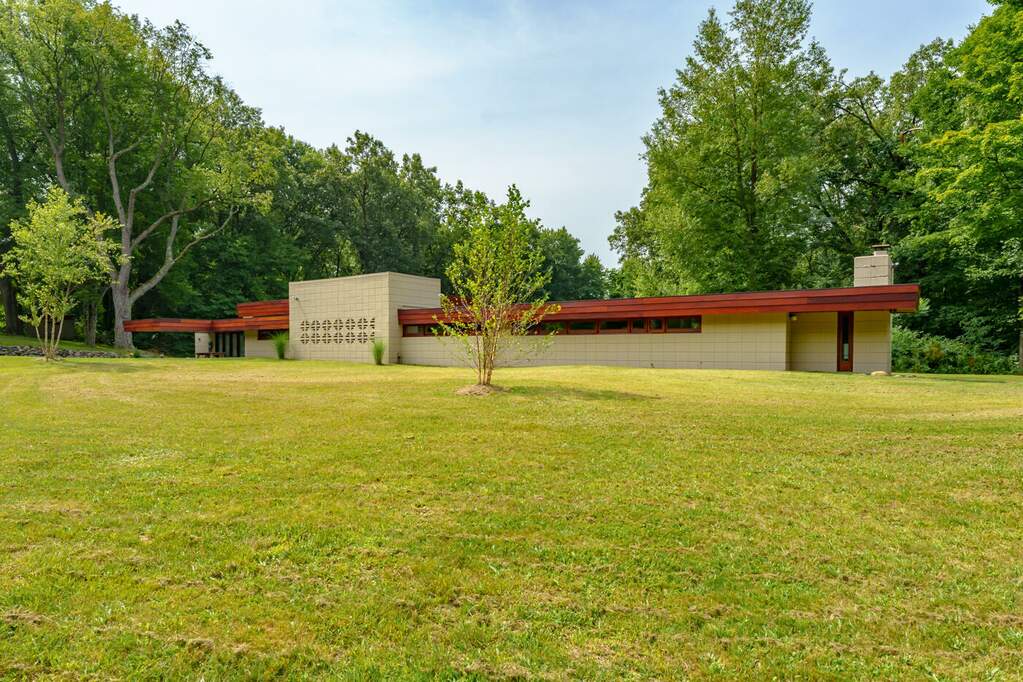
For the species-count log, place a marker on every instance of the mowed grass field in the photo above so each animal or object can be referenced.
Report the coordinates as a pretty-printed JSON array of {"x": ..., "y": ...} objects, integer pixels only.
[{"x": 246, "y": 518}]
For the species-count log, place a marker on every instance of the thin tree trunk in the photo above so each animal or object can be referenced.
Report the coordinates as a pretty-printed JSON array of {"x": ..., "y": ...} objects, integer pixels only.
[
  {"x": 46, "y": 338},
  {"x": 91, "y": 315},
  {"x": 56, "y": 338},
  {"x": 11, "y": 322}
]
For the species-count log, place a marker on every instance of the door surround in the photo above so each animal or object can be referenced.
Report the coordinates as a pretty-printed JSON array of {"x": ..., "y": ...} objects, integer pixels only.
[{"x": 845, "y": 341}]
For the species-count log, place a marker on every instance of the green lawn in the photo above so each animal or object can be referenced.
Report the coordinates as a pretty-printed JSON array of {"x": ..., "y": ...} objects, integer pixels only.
[{"x": 246, "y": 518}]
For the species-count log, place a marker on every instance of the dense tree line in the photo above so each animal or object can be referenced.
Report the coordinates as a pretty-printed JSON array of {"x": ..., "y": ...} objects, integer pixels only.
[
  {"x": 770, "y": 169},
  {"x": 211, "y": 206}
]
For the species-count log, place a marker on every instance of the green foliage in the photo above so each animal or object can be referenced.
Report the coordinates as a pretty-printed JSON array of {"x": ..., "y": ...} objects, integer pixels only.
[
  {"x": 58, "y": 249},
  {"x": 574, "y": 275},
  {"x": 212, "y": 207},
  {"x": 970, "y": 157},
  {"x": 280, "y": 341},
  {"x": 731, "y": 160},
  {"x": 497, "y": 280},
  {"x": 766, "y": 170},
  {"x": 128, "y": 117},
  {"x": 913, "y": 351},
  {"x": 378, "y": 348}
]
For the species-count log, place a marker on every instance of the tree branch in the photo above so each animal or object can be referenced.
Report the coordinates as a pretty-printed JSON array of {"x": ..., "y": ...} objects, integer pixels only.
[
  {"x": 170, "y": 258},
  {"x": 177, "y": 213}
]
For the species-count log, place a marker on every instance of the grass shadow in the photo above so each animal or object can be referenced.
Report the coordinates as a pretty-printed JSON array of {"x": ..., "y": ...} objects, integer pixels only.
[
  {"x": 106, "y": 365},
  {"x": 969, "y": 379},
  {"x": 556, "y": 392}
]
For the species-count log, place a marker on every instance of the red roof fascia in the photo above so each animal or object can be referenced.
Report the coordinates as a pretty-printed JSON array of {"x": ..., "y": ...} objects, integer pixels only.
[
  {"x": 263, "y": 308},
  {"x": 234, "y": 324},
  {"x": 894, "y": 297},
  {"x": 168, "y": 324}
]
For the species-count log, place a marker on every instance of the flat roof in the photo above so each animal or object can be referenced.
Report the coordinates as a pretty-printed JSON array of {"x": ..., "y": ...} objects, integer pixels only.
[
  {"x": 231, "y": 324},
  {"x": 901, "y": 298}
]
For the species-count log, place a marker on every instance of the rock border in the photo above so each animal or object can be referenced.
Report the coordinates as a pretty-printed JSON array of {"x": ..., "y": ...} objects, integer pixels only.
[{"x": 33, "y": 352}]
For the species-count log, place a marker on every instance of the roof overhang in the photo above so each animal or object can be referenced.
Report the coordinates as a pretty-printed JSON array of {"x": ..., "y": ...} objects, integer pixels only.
[
  {"x": 254, "y": 315},
  {"x": 168, "y": 324},
  {"x": 234, "y": 324},
  {"x": 902, "y": 298}
]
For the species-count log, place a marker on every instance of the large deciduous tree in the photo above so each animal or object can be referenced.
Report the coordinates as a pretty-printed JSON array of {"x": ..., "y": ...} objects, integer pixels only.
[
  {"x": 970, "y": 155},
  {"x": 21, "y": 167},
  {"x": 862, "y": 194},
  {"x": 574, "y": 275},
  {"x": 731, "y": 160},
  {"x": 131, "y": 119}
]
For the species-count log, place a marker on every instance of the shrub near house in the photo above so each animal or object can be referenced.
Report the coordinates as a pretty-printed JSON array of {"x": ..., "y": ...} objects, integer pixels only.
[{"x": 913, "y": 351}]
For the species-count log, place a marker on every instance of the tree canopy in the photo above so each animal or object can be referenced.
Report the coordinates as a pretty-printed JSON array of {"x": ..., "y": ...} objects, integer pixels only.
[
  {"x": 211, "y": 205},
  {"x": 770, "y": 169}
]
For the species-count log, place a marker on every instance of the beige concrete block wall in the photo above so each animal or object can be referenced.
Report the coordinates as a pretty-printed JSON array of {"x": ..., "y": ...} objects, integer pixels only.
[
  {"x": 872, "y": 341},
  {"x": 406, "y": 291},
  {"x": 337, "y": 319},
  {"x": 726, "y": 342},
  {"x": 873, "y": 270},
  {"x": 254, "y": 348},
  {"x": 203, "y": 342},
  {"x": 813, "y": 342}
]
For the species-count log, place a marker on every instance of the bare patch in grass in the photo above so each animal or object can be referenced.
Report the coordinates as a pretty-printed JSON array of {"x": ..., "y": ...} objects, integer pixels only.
[
  {"x": 62, "y": 507},
  {"x": 19, "y": 616},
  {"x": 479, "y": 390}
]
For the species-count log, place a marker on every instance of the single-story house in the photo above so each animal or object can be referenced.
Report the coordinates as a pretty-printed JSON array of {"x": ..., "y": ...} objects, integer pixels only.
[{"x": 845, "y": 329}]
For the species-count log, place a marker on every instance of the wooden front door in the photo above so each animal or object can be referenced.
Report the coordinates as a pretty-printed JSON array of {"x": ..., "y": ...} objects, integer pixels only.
[{"x": 845, "y": 342}]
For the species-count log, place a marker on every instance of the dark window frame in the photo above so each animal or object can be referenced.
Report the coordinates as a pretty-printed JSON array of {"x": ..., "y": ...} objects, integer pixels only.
[
  {"x": 685, "y": 330},
  {"x": 582, "y": 332},
  {"x": 624, "y": 330},
  {"x": 427, "y": 330},
  {"x": 650, "y": 325}
]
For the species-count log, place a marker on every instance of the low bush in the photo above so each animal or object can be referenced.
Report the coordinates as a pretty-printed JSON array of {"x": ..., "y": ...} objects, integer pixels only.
[
  {"x": 913, "y": 351},
  {"x": 280, "y": 342}
]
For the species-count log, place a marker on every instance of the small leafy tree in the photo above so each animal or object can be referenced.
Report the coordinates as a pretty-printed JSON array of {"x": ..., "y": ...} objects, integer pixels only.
[
  {"x": 59, "y": 248},
  {"x": 498, "y": 281}
]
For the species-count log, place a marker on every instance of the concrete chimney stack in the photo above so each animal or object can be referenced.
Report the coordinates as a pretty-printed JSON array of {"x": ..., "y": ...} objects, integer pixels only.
[{"x": 874, "y": 270}]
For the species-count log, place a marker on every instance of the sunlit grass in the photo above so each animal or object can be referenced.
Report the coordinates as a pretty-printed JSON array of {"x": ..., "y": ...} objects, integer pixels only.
[{"x": 240, "y": 518}]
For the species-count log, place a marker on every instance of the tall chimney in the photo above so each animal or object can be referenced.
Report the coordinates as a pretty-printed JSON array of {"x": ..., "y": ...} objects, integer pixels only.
[{"x": 871, "y": 271}]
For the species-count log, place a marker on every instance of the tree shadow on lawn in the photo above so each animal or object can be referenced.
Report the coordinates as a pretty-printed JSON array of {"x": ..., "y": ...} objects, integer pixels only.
[
  {"x": 970, "y": 379},
  {"x": 574, "y": 393},
  {"x": 106, "y": 365}
]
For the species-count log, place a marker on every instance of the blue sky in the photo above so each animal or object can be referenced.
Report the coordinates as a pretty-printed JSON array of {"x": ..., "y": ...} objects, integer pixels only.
[{"x": 553, "y": 97}]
